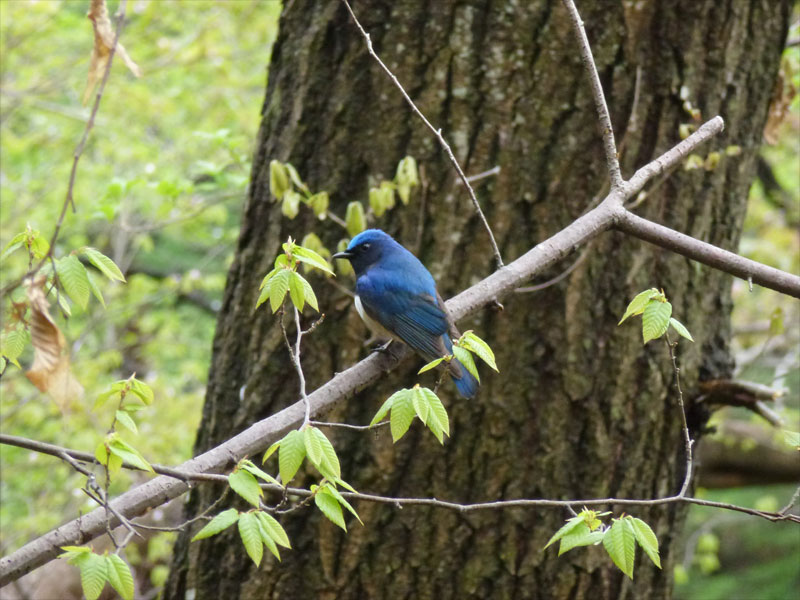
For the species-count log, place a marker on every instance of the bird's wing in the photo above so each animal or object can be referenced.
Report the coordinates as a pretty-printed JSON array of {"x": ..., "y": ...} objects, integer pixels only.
[{"x": 414, "y": 318}]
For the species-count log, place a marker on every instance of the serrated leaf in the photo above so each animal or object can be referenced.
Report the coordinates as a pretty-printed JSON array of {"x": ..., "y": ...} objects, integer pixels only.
[
  {"x": 637, "y": 305},
  {"x": 420, "y": 404},
  {"x": 681, "y": 329},
  {"x": 267, "y": 277},
  {"x": 465, "y": 358},
  {"x": 94, "y": 573},
  {"x": 647, "y": 539},
  {"x": 244, "y": 483},
  {"x": 143, "y": 391},
  {"x": 266, "y": 539},
  {"x": 13, "y": 343},
  {"x": 655, "y": 320},
  {"x": 274, "y": 529},
  {"x": 308, "y": 293},
  {"x": 431, "y": 365},
  {"x": 329, "y": 463},
  {"x": 290, "y": 205},
  {"x": 251, "y": 468},
  {"x": 384, "y": 409},
  {"x": 343, "y": 501},
  {"x": 473, "y": 343},
  {"x": 129, "y": 454},
  {"x": 437, "y": 416},
  {"x": 73, "y": 277},
  {"x": 124, "y": 419},
  {"x": 278, "y": 286},
  {"x": 278, "y": 179},
  {"x": 355, "y": 219},
  {"x": 250, "y": 532},
  {"x": 313, "y": 448},
  {"x": 219, "y": 523},
  {"x": 70, "y": 551},
  {"x": 119, "y": 576},
  {"x": 620, "y": 543},
  {"x": 95, "y": 290},
  {"x": 402, "y": 415},
  {"x": 564, "y": 530},
  {"x": 291, "y": 455},
  {"x": 270, "y": 451},
  {"x": 330, "y": 507},
  {"x": 296, "y": 290},
  {"x": 309, "y": 257},
  {"x": 104, "y": 264},
  {"x": 580, "y": 536}
]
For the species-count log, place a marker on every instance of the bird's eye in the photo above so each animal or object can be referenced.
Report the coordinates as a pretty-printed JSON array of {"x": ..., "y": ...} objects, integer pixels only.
[{"x": 366, "y": 246}]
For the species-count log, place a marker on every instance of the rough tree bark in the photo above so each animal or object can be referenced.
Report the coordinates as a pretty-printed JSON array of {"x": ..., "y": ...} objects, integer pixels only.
[{"x": 580, "y": 408}]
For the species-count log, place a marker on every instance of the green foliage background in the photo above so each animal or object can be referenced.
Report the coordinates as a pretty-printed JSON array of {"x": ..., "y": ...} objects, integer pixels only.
[{"x": 159, "y": 189}]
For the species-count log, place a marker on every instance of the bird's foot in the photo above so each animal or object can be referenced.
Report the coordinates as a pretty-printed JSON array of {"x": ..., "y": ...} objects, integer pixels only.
[{"x": 382, "y": 348}]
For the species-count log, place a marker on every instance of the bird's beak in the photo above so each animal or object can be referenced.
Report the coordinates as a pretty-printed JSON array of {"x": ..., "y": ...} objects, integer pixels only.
[{"x": 345, "y": 255}]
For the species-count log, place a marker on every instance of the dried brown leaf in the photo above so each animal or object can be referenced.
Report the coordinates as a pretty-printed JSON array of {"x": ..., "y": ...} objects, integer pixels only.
[
  {"x": 50, "y": 370},
  {"x": 782, "y": 96},
  {"x": 103, "y": 42}
]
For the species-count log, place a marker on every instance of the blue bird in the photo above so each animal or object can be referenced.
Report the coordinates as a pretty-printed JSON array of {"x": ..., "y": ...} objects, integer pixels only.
[{"x": 396, "y": 297}]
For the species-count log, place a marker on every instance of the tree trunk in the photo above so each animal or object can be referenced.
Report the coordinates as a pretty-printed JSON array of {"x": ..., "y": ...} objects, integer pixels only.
[{"x": 580, "y": 408}]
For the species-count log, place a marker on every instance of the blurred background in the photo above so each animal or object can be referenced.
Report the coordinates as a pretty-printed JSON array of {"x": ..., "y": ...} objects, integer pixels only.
[{"x": 159, "y": 189}]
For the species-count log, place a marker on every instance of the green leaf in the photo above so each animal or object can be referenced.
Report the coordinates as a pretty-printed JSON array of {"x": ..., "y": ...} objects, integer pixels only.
[
  {"x": 73, "y": 277},
  {"x": 104, "y": 264},
  {"x": 142, "y": 390},
  {"x": 71, "y": 551},
  {"x": 355, "y": 219},
  {"x": 126, "y": 421},
  {"x": 278, "y": 286},
  {"x": 274, "y": 529},
  {"x": 278, "y": 179},
  {"x": 580, "y": 536},
  {"x": 637, "y": 305},
  {"x": 94, "y": 574},
  {"x": 381, "y": 198},
  {"x": 219, "y": 523},
  {"x": 473, "y": 343},
  {"x": 329, "y": 463},
  {"x": 647, "y": 539},
  {"x": 776, "y": 322},
  {"x": 313, "y": 448},
  {"x": 251, "y": 468},
  {"x": 438, "y": 421},
  {"x": 319, "y": 203},
  {"x": 290, "y": 207},
  {"x": 244, "y": 483},
  {"x": 270, "y": 451},
  {"x": 292, "y": 453},
  {"x": 14, "y": 244},
  {"x": 95, "y": 290},
  {"x": 431, "y": 365},
  {"x": 295, "y": 177},
  {"x": 465, "y": 358},
  {"x": 406, "y": 177},
  {"x": 13, "y": 343},
  {"x": 792, "y": 438},
  {"x": 420, "y": 404},
  {"x": 129, "y": 454},
  {"x": 39, "y": 246},
  {"x": 3, "y": 363},
  {"x": 681, "y": 329},
  {"x": 296, "y": 290},
  {"x": 384, "y": 409},
  {"x": 620, "y": 543},
  {"x": 655, "y": 320},
  {"x": 402, "y": 415},
  {"x": 250, "y": 532},
  {"x": 119, "y": 576},
  {"x": 342, "y": 501},
  {"x": 309, "y": 257},
  {"x": 342, "y": 264},
  {"x": 564, "y": 530},
  {"x": 330, "y": 507}
]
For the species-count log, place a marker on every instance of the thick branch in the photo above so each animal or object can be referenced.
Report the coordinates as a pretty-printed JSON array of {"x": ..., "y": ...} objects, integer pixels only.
[{"x": 707, "y": 254}]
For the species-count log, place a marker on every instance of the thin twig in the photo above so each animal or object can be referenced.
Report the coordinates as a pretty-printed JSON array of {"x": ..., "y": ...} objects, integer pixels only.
[
  {"x": 689, "y": 442},
  {"x": 202, "y": 516},
  {"x": 482, "y": 175},
  {"x": 437, "y": 132},
  {"x": 348, "y": 426},
  {"x": 603, "y": 115},
  {"x": 557, "y": 278}
]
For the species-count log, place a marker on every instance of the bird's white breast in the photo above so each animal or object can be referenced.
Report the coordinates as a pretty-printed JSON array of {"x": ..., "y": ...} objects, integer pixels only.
[{"x": 376, "y": 328}]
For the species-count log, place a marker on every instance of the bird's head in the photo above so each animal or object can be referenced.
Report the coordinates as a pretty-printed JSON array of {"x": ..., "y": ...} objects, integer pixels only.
[{"x": 367, "y": 248}]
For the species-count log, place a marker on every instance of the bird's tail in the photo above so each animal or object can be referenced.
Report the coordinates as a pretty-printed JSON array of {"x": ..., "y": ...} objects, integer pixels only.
[{"x": 466, "y": 384}]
